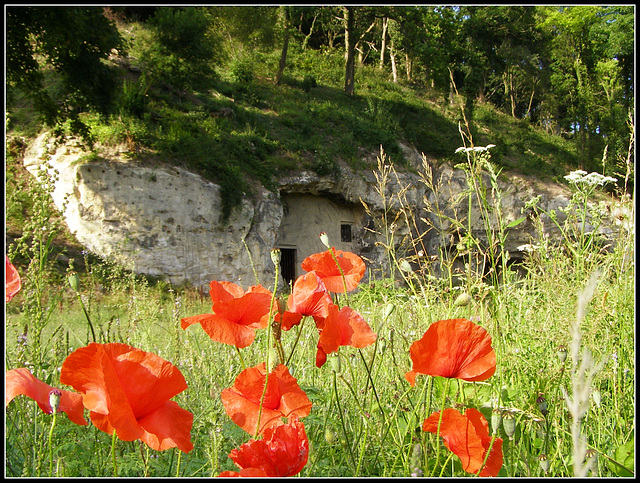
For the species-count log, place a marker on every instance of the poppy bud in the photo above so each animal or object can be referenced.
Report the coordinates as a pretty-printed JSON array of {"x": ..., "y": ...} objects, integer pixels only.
[
  {"x": 382, "y": 343},
  {"x": 276, "y": 255},
  {"x": 405, "y": 266},
  {"x": 544, "y": 462},
  {"x": 463, "y": 300},
  {"x": 496, "y": 419},
  {"x": 329, "y": 437},
  {"x": 562, "y": 353},
  {"x": 74, "y": 281},
  {"x": 324, "y": 238},
  {"x": 388, "y": 310},
  {"x": 54, "y": 400},
  {"x": 542, "y": 404},
  {"x": 336, "y": 365},
  {"x": 509, "y": 423},
  {"x": 596, "y": 397},
  {"x": 272, "y": 360},
  {"x": 282, "y": 305}
]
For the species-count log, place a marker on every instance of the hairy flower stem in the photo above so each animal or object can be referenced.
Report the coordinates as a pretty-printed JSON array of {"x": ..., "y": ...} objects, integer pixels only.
[
  {"x": 295, "y": 344},
  {"x": 444, "y": 400},
  {"x": 486, "y": 456},
  {"x": 86, "y": 314},
  {"x": 244, "y": 366},
  {"x": 267, "y": 364},
  {"x": 113, "y": 454},
  {"x": 53, "y": 424},
  {"x": 344, "y": 428},
  {"x": 178, "y": 464}
]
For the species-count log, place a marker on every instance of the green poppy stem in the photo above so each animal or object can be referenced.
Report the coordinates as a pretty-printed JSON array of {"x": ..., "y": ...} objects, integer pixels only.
[
  {"x": 86, "y": 314},
  {"x": 295, "y": 343},
  {"x": 178, "y": 464},
  {"x": 113, "y": 454},
  {"x": 486, "y": 457},
  {"x": 444, "y": 400},
  {"x": 53, "y": 424},
  {"x": 344, "y": 428},
  {"x": 241, "y": 358},
  {"x": 267, "y": 365}
]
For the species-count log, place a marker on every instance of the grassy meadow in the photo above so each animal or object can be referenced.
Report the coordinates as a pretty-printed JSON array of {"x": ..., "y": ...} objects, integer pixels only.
[{"x": 562, "y": 329}]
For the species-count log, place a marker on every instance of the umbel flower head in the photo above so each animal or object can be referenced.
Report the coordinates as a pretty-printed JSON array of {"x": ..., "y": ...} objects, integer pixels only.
[
  {"x": 453, "y": 348},
  {"x": 236, "y": 314},
  {"x": 21, "y": 381},
  {"x": 467, "y": 436},
  {"x": 128, "y": 391},
  {"x": 282, "y": 451},
  {"x": 325, "y": 266},
  {"x": 282, "y": 398}
]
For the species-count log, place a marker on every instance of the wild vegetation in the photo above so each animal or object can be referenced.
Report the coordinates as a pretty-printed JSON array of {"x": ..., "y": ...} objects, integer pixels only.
[{"x": 550, "y": 391}]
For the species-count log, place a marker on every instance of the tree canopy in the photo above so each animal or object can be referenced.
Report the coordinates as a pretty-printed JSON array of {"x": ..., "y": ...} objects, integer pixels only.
[{"x": 568, "y": 69}]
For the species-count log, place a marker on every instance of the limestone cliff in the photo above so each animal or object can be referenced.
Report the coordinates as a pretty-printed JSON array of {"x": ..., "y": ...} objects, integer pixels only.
[{"x": 166, "y": 221}]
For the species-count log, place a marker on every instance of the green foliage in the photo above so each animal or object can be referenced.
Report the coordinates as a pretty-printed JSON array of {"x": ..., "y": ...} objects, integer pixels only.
[
  {"x": 34, "y": 37},
  {"x": 182, "y": 50}
]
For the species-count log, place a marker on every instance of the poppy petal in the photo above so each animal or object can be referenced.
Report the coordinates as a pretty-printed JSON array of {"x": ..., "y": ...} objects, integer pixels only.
[
  {"x": 309, "y": 296},
  {"x": 282, "y": 398},
  {"x": 12, "y": 280},
  {"x": 283, "y": 450},
  {"x": 325, "y": 266},
  {"x": 453, "y": 348},
  {"x": 22, "y": 382},
  {"x": 128, "y": 390},
  {"x": 222, "y": 330},
  {"x": 167, "y": 427},
  {"x": 344, "y": 327},
  {"x": 467, "y": 436}
]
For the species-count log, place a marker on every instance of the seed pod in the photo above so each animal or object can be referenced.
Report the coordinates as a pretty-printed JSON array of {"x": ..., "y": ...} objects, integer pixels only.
[
  {"x": 544, "y": 462},
  {"x": 463, "y": 300},
  {"x": 324, "y": 238},
  {"x": 74, "y": 281},
  {"x": 54, "y": 400},
  {"x": 496, "y": 419},
  {"x": 329, "y": 437},
  {"x": 509, "y": 423},
  {"x": 336, "y": 365},
  {"x": 542, "y": 404},
  {"x": 562, "y": 353}
]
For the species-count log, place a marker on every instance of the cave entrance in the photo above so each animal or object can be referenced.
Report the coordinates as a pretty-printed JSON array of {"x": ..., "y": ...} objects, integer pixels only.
[{"x": 288, "y": 257}]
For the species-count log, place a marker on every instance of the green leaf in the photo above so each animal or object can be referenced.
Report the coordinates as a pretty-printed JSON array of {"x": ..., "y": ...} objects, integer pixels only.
[
  {"x": 516, "y": 222},
  {"x": 624, "y": 460}
]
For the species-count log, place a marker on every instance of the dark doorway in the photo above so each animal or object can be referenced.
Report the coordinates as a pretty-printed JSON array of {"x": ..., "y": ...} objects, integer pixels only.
[{"x": 288, "y": 264}]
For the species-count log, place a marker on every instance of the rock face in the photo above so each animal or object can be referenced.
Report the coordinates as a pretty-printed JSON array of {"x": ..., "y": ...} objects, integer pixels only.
[{"x": 166, "y": 221}]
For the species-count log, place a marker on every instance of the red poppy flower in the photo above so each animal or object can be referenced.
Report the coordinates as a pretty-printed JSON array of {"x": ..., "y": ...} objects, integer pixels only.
[
  {"x": 21, "y": 381},
  {"x": 283, "y": 451},
  {"x": 309, "y": 298},
  {"x": 12, "y": 283},
  {"x": 467, "y": 436},
  {"x": 235, "y": 313},
  {"x": 342, "y": 327},
  {"x": 129, "y": 391},
  {"x": 454, "y": 348},
  {"x": 325, "y": 266},
  {"x": 282, "y": 398}
]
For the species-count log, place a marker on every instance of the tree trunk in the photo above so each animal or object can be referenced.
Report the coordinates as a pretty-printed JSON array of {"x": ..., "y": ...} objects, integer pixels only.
[
  {"x": 349, "y": 45},
  {"x": 285, "y": 46},
  {"x": 385, "y": 24},
  {"x": 409, "y": 65},
  {"x": 392, "y": 56}
]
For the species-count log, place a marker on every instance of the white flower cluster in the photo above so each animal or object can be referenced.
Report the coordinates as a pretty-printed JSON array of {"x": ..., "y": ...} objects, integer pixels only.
[
  {"x": 581, "y": 177},
  {"x": 476, "y": 149}
]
